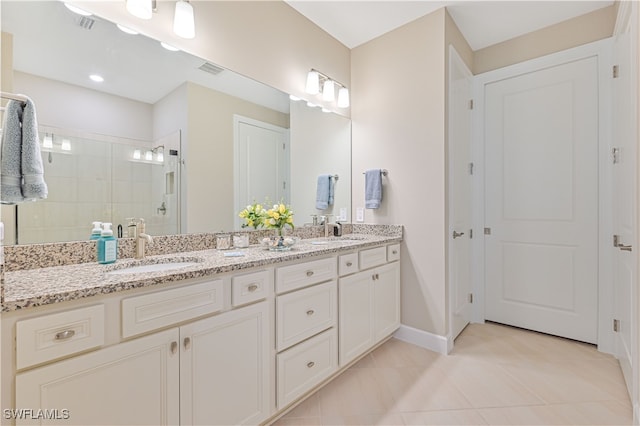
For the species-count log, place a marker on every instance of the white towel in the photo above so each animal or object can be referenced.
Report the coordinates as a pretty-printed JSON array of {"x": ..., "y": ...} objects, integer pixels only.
[
  {"x": 372, "y": 188},
  {"x": 22, "y": 176},
  {"x": 324, "y": 192}
]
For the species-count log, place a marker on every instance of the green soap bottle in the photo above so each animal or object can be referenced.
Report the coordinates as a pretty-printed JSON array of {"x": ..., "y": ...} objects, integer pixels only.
[{"x": 107, "y": 245}]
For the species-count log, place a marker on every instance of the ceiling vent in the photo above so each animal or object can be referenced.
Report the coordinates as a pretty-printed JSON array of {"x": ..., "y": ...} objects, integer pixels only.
[
  {"x": 86, "y": 22},
  {"x": 211, "y": 68}
]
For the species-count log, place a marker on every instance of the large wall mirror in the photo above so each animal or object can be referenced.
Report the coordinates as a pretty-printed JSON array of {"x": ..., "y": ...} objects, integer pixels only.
[{"x": 169, "y": 137}]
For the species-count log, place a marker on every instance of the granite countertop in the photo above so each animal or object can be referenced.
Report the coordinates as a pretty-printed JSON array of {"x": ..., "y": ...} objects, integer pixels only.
[{"x": 42, "y": 286}]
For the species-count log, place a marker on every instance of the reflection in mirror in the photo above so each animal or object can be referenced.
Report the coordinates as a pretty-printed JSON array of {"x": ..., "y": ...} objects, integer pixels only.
[{"x": 150, "y": 97}]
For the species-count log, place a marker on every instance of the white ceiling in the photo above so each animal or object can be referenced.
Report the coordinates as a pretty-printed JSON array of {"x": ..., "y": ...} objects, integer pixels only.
[{"x": 483, "y": 23}]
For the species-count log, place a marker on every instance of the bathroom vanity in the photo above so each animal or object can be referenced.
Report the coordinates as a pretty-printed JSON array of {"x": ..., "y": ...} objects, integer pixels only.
[{"x": 222, "y": 340}]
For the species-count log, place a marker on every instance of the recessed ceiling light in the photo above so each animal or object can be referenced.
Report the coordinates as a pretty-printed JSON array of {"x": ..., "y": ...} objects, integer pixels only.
[
  {"x": 97, "y": 78},
  {"x": 169, "y": 47},
  {"x": 126, "y": 29},
  {"x": 77, "y": 10}
]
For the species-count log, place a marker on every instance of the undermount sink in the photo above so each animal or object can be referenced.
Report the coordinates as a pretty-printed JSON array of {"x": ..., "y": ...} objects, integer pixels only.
[
  {"x": 344, "y": 239},
  {"x": 153, "y": 266}
]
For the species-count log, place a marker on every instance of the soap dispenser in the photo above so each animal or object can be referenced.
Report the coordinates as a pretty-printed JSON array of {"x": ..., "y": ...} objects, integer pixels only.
[
  {"x": 107, "y": 245},
  {"x": 96, "y": 232}
]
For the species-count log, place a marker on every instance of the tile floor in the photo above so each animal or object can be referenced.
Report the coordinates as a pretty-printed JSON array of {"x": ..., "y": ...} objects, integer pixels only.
[{"x": 496, "y": 375}]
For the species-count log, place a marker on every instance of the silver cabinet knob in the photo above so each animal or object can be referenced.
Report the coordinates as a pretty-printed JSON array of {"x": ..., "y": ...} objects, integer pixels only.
[
  {"x": 310, "y": 364},
  {"x": 309, "y": 273},
  {"x": 457, "y": 234},
  {"x": 187, "y": 343},
  {"x": 64, "y": 335},
  {"x": 252, "y": 288},
  {"x": 174, "y": 347}
]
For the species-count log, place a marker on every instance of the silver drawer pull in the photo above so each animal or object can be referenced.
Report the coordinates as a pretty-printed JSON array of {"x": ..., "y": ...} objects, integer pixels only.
[
  {"x": 309, "y": 273},
  {"x": 252, "y": 288},
  {"x": 64, "y": 335},
  {"x": 349, "y": 263},
  {"x": 187, "y": 343},
  {"x": 174, "y": 347},
  {"x": 395, "y": 252},
  {"x": 310, "y": 364},
  {"x": 311, "y": 312}
]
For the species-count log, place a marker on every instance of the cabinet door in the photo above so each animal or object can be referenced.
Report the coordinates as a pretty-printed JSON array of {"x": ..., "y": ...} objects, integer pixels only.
[
  {"x": 386, "y": 301},
  {"x": 355, "y": 315},
  {"x": 132, "y": 383},
  {"x": 224, "y": 368}
]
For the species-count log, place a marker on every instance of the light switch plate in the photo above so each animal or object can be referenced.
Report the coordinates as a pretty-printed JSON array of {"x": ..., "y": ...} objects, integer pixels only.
[
  {"x": 359, "y": 214},
  {"x": 343, "y": 214}
]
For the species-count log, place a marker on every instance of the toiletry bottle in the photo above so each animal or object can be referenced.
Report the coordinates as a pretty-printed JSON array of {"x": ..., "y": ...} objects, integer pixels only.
[
  {"x": 107, "y": 245},
  {"x": 96, "y": 231}
]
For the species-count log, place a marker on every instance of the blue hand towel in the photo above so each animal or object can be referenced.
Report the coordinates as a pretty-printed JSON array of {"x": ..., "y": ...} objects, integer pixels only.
[
  {"x": 324, "y": 192},
  {"x": 22, "y": 176},
  {"x": 11, "y": 154},
  {"x": 372, "y": 188}
]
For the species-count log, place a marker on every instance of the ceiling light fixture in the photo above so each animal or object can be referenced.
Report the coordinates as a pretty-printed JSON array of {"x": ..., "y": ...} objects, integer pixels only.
[
  {"x": 76, "y": 9},
  {"x": 168, "y": 46},
  {"x": 142, "y": 9},
  {"x": 97, "y": 78},
  {"x": 127, "y": 30},
  {"x": 183, "y": 20},
  {"x": 316, "y": 80}
]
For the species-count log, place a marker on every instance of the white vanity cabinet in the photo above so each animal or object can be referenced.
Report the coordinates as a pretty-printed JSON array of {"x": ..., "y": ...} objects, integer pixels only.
[
  {"x": 369, "y": 302},
  {"x": 135, "y": 382}
]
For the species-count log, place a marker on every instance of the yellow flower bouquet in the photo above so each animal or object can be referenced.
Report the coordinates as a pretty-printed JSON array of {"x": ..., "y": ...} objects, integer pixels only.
[
  {"x": 278, "y": 217},
  {"x": 254, "y": 216}
]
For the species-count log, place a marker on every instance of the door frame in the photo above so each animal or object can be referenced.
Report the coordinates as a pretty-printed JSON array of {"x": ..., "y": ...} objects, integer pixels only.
[
  {"x": 602, "y": 50},
  {"x": 455, "y": 56}
]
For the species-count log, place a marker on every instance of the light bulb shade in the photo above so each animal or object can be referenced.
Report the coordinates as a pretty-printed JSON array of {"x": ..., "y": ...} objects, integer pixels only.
[
  {"x": 47, "y": 141},
  {"x": 160, "y": 157},
  {"x": 328, "y": 91},
  {"x": 148, "y": 156},
  {"x": 142, "y": 9},
  {"x": 343, "y": 97},
  {"x": 137, "y": 154},
  {"x": 313, "y": 83},
  {"x": 183, "y": 22},
  {"x": 66, "y": 145}
]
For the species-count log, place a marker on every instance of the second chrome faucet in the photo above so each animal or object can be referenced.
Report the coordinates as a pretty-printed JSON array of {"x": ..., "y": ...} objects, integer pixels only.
[{"x": 141, "y": 238}]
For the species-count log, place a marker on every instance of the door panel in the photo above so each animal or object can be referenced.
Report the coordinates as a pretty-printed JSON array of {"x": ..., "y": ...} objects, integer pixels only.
[{"x": 541, "y": 200}]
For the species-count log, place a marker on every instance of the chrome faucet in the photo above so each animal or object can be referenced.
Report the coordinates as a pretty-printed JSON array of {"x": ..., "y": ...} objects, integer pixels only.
[
  {"x": 326, "y": 219},
  {"x": 141, "y": 240}
]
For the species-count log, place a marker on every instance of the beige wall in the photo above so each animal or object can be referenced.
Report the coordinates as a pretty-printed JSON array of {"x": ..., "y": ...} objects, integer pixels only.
[
  {"x": 574, "y": 32},
  {"x": 265, "y": 40},
  {"x": 6, "y": 60},
  {"x": 209, "y": 156},
  {"x": 398, "y": 124}
]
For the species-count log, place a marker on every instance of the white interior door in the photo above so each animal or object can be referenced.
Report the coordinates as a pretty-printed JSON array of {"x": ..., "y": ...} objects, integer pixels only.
[
  {"x": 262, "y": 163},
  {"x": 460, "y": 211},
  {"x": 541, "y": 200},
  {"x": 624, "y": 204}
]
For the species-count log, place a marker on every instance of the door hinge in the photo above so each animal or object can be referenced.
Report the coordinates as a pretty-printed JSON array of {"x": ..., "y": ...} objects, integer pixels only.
[
  {"x": 487, "y": 231},
  {"x": 470, "y": 103},
  {"x": 470, "y": 297},
  {"x": 615, "y": 153},
  {"x": 284, "y": 185},
  {"x": 616, "y": 325},
  {"x": 470, "y": 234},
  {"x": 616, "y": 71},
  {"x": 470, "y": 168},
  {"x": 284, "y": 146}
]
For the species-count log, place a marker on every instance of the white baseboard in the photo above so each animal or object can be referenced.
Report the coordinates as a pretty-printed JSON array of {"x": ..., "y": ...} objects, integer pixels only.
[
  {"x": 424, "y": 339},
  {"x": 636, "y": 413}
]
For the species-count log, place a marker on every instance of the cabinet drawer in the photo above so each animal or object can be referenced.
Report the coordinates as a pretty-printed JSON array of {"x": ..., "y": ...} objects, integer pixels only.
[
  {"x": 250, "y": 287},
  {"x": 164, "y": 308},
  {"x": 303, "y": 313},
  {"x": 305, "y": 274},
  {"x": 57, "y": 335},
  {"x": 306, "y": 365},
  {"x": 347, "y": 264},
  {"x": 373, "y": 257},
  {"x": 393, "y": 252}
]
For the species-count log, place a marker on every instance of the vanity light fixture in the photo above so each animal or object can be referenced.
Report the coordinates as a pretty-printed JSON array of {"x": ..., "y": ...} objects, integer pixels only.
[
  {"x": 76, "y": 9},
  {"x": 97, "y": 78},
  {"x": 142, "y": 9},
  {"x": 168, "y": 46},
  {"x": 66, "y": 145},
  {"x": 148, "y": 156},
  {"x": 183, "y": 21},
  {"x": 343, "y": 97},
  {"x": 159, "y": 152},
  {"x": 137, "y": 154},
  {"x": 47, "y": 141},
  {"x": 127, "y": 30},
  {"x": 316, "y": 79}
]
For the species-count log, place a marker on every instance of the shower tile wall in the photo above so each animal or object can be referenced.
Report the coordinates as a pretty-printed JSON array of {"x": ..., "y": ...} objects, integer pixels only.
[{"x": 96, "y": 181}]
